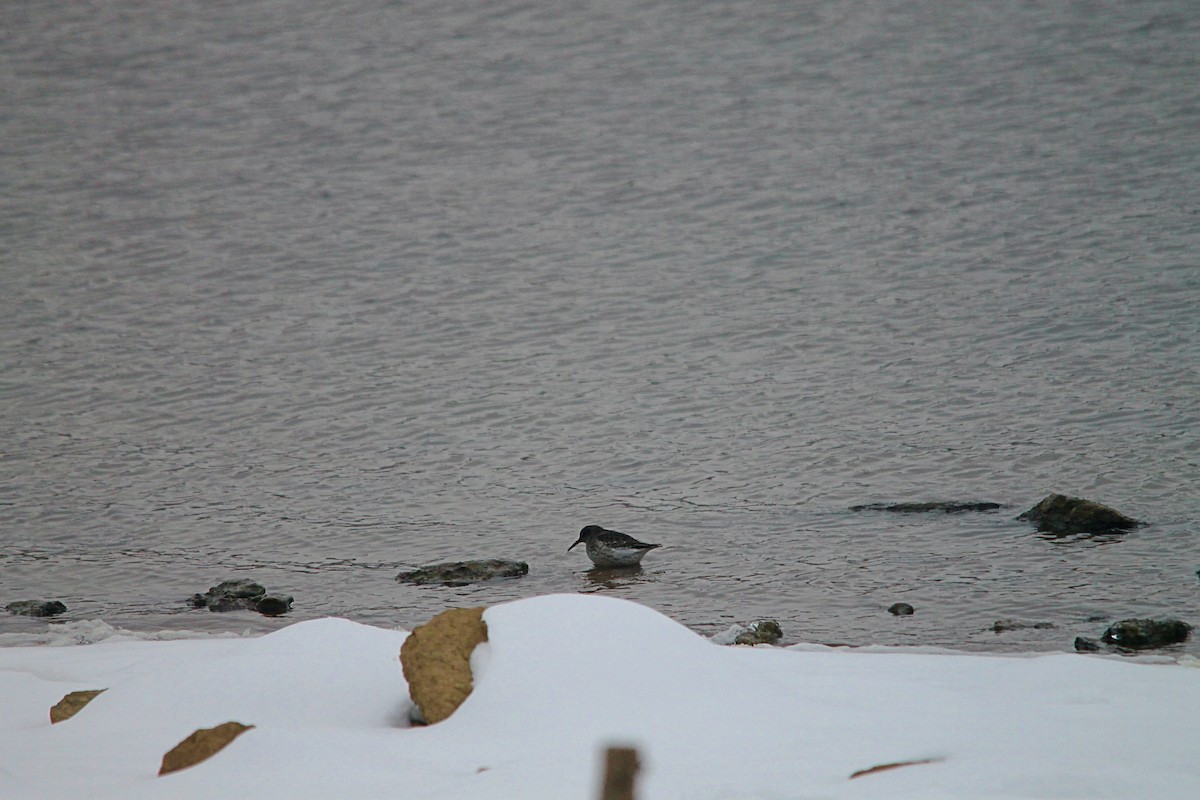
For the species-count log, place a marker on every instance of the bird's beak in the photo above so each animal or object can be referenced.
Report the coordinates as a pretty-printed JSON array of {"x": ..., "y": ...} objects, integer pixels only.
[{"x": 569, "y": 548}]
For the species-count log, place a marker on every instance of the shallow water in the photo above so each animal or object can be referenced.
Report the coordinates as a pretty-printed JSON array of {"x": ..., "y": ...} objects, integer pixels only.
[{"x": 312, "y": 295}]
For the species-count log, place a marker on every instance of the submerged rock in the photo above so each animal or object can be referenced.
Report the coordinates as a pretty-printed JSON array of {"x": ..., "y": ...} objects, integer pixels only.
[
  {"x": 1141, "y": 634},
  {"x": 1002, "y": 625},
  {"x": 1086, "y": 645},
  {"x": 948, "y": 507},
  {"x": 901, "y": 609},
  {"x": 1064, "y": 515},
  {"x": 36, "y": 608},
  {"x": 242, "y": 595},
  {"x": 273, "y": 605},
  {"x": 462, "y": 573}
]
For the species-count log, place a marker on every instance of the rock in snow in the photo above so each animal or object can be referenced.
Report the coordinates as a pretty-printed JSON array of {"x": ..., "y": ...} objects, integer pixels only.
[{"x": 436, "y": 658}]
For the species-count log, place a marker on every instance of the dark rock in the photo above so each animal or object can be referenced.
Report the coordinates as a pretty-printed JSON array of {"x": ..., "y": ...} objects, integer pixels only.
[
  {"x": 901, "y": 609},
  {"x": 461, "y": 573},
  {"x": 1086, "y": 645},
  {"x": 763, "y": 631},
  {"x": 1065, "y": 515},
  {"x": 242, "y": 595},
  {"x": 242, "y": 587},
  {"x": 273, "y": 605},
  {"x": 36, "y": 608},
  {"x": 921, "y": 508},
  {"x": 227, "y": 603},
  {"x": 1141, "y": 634},
  {"x": 1002, "y": 625}
]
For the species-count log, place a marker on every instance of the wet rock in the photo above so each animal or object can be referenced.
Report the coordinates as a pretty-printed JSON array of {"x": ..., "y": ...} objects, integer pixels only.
[
  {"x": 1063, "y": 515},
  {"x": 762, "y": 631},
  {"x": 273, "y": 605},
  {"x": 901, "y": 609},
  {"x": 1142, "y": 634},
  {"x": 948, "y": 507},
  {"x": 242, "y": 595},
  {"x": 1003, "y": 625},
  {"x": 462, "y": 573},
  {"x": 1086, "y": 645},
  {"x": 436, "y": 659},
  {"x": 36, "y": 608},
  {"x": 71, "y": 704},
  {"x": 201, "y": 745}
]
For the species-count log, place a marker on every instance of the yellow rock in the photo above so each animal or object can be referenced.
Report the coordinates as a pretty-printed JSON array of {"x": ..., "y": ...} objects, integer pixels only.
[
  {"x": 436, "y": 658},
  {"x": 71, "y": 704},
  {"x": 200, "y": 745}
]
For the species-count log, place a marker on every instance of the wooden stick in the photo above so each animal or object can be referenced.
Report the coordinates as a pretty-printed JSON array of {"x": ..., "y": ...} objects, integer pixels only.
[{"x": 620, "y": 770}]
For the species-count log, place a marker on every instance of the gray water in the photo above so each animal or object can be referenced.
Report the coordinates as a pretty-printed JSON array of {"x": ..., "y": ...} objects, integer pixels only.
[{"x": 315, "y": 292}]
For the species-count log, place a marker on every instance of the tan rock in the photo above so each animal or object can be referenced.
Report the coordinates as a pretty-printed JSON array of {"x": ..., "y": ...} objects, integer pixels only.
[
  {"x": 71, "y": 704},
  {"x": 202, "y": 744},
  {"x": 436, "y": 658}
]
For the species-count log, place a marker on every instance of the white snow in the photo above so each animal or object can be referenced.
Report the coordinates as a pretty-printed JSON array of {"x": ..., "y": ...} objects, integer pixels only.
[{"x": 563, "y": 676}]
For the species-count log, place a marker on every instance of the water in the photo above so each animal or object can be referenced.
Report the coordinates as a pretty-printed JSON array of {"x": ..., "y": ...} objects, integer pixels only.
[{"x": 312, "y": 294}]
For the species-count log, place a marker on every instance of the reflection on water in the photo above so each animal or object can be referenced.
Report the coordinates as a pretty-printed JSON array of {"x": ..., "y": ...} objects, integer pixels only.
[{"x": 614, "y": 577}]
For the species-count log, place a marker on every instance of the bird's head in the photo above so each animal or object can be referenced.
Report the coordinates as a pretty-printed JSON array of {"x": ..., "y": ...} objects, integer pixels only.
[{"x": 588, "y": 530}]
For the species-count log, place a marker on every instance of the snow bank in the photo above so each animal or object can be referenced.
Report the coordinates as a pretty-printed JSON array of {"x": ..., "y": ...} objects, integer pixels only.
[{"x": 562, "y": 677}]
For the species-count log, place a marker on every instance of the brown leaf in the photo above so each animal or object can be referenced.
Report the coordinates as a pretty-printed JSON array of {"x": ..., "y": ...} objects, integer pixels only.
[
  {"x": 893, "y": 765},
  {"x": 202, "y": 744},
  {"x": 72, "y": 704}
]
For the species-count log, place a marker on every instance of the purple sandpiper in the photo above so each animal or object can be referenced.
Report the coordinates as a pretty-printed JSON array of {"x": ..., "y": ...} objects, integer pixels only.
[{"x": 612, "y": 548}]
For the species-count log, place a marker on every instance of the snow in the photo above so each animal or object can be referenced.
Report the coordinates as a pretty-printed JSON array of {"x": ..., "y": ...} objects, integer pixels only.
[{"x": 562, "y": 677}]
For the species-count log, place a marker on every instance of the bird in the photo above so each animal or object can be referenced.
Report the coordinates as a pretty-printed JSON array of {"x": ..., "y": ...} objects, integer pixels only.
[{"x": 612, "y": 548}]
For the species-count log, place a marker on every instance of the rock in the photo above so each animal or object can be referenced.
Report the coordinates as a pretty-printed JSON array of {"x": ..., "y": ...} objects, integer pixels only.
[
  {"x": 72, "y": 704},
  {"x": 1064, "y": 515},
  {"x": 1141, "y": 634},
  {"x": 901, "y": 609},
  {"x": 762, "y": 631},
  {"x": 242, "y": 595},
  {"x": 436, "y": 658},
  {"x": 230, "y": 596},
  {"x": 1002, "y": 625},
  {"x": 461, "y": 573},
  {"x": 949, "y": 507},
  {"x": 36, "y": 608},
  {"x": 202, "y": 744},
  {"x": 1086, "y": 645},
  {"x": 273, "y": 605}
]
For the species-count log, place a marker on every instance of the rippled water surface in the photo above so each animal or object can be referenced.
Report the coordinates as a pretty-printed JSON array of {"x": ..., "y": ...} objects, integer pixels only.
[{"x": 311, "y": 293}]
